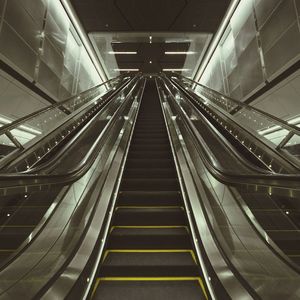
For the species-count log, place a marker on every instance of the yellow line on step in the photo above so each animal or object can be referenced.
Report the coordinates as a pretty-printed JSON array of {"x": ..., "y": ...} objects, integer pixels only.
[
  {"x": 149, "y": 227},
  {"x": 154, "y": 206},
  {"x": 198, "y": 279}
]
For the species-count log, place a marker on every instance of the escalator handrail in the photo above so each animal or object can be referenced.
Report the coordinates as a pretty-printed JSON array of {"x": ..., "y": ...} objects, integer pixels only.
[
  {"x": 276, "y": 180},
  {"x": 24, "y": 180},
  {"x": 229, "y": 146},
  {"x": 16, "y": 123},
  {"x": 283, "y": 123},
  {"x": 285, "y": 159}
]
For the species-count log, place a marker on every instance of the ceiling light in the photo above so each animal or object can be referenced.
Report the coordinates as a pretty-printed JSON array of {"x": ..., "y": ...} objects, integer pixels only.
[
  {"x": 174, "y": 70},
  {"x": 150, "y": 62},
  {"x": 128, "y": 70},
  {"x": 180, "y": 52},
  {"x": 122, "y": 52}
]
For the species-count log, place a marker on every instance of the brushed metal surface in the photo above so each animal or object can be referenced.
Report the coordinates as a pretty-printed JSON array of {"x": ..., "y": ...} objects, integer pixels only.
[{"x": 261, "y": 268}]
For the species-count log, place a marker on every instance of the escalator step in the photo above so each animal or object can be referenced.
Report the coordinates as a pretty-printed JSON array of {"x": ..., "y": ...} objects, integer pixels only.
[
  {"x": 151, "y": 141},
  {"x": 162, "y": 154},
  {"x": 146, "y": 237},
  {"x": 142, "y": 147},
  {"x": 149, "y": 216},
  {"x": 149, "y": 290},
  {"x": 143, "y": 263},
  {"x": 148, "y": 198},
  {"x": 155, "y": 134},
  {"x": 150, "y": 184},
  {"x": 149, "y": 163},
  {"x": 150, "y": 173}
]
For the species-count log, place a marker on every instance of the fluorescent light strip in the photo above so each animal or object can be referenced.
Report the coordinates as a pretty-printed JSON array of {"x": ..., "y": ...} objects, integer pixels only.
[
  {"x": 122, "y": 52},
  {"x": 175, "y": 70},
  {"x": 129, "y": 70},
  {"x": 180, "y": 52}
]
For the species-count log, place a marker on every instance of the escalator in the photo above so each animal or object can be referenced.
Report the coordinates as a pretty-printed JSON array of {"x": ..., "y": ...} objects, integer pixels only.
[
  {"x": 25, "y": 208},
  {"x": 149, "y": 252}
]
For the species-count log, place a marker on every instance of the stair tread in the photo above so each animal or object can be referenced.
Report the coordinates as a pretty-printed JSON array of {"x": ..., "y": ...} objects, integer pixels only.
[
  {"x": 149, "y": 231},
  {"x": 159, "y": 259},
  {"x": 149, "y": 290}
]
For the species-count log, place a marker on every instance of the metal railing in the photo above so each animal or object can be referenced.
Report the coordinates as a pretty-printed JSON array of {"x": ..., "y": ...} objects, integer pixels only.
[
  {"x": 281, "y": 134},
  {"x": 17, "y": 134}
]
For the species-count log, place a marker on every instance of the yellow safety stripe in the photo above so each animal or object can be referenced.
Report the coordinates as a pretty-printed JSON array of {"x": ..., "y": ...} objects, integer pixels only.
[
  {"x": 198, "y": 279},
  {"x": 154, "y": 206}
]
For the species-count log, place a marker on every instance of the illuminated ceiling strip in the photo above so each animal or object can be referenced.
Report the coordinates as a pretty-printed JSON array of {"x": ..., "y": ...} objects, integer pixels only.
[
  {"x": 180, "y": 52},
  {"x": 174, "y": 70},
  {"x": 129, "y": 70},
  {"x": 122, "y": 52}
]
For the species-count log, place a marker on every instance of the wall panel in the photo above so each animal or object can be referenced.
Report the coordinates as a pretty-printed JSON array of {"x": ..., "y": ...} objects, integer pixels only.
[
  {"x": 38, "y": 40},
  {"x": 16, "y": 100},
  {"x": 13, "y": 48},
  {"x": 262, "y": 40}
]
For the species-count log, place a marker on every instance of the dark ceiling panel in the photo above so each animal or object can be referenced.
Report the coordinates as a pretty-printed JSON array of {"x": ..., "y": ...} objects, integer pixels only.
[
  {"x": 151, "y": 15},
  {"x": 147, "y": 52},
  {"x": 154, "y": 15},
  {"x": 201, "y": 15}
]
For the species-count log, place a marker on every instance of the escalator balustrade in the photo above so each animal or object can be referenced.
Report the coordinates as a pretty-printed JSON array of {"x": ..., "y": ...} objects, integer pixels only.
[
  {"x": 279, "y": 216},
  {"x": 19, "y": 216},
  {"x": 149, "y": 252}
]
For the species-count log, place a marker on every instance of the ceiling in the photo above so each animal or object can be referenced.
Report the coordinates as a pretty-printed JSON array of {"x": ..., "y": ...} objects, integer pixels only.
[
  {"x": 149, "y": 57},
  {"x": 125, "y": 25}
]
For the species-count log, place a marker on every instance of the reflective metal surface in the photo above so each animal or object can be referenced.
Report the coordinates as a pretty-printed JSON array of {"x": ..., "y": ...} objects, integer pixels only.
[
  {"x": 244, "y": 262},
  {"x": 81, "y": 212},
  {"x": 31, "y": 129},
  {"x": 263, "y": 127}
]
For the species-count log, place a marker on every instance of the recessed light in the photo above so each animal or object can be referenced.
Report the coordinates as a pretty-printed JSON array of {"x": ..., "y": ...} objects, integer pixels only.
[
  {"x": 122, "y": 52},
  {"x": 150, "y": 62},
  {"x": 128, "y": 70},
  {"x": 180, "y": 52},
  {"x": 174, "y": 70}
]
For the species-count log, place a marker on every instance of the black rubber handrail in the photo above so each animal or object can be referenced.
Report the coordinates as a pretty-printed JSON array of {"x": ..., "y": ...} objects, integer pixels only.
[
  {"x": 276, "y": 180},
  {"x": 290, "y": 163},
  {"x": 19, "y": 121},
  {"x": 283, "y": 123}
]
